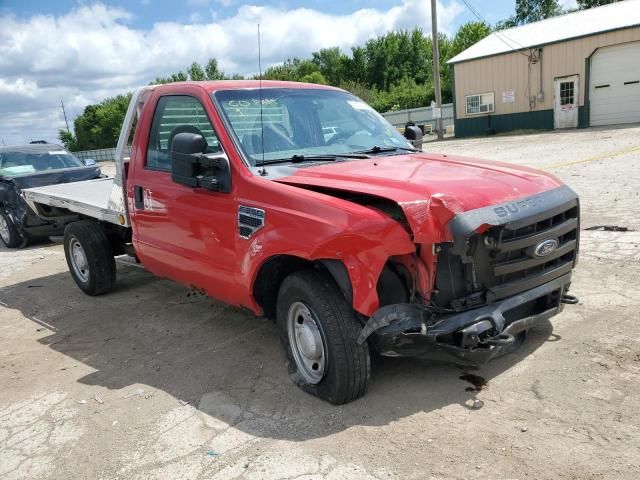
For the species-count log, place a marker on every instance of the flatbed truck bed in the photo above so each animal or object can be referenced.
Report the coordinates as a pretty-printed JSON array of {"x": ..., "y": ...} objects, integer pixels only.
[{"x": 89, "y": 198}]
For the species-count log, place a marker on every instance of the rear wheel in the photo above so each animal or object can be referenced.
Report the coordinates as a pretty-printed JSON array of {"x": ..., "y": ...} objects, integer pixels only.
[
  {"x": 89, "y": 257},
  {"x": 319, "y": 332},
  {"x": 9, "y": 233}
]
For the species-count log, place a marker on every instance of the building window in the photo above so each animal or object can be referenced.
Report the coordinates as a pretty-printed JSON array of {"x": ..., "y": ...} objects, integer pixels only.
[
  {"x": 480, "y": 103},
  {"x": 566, "y": 93}
]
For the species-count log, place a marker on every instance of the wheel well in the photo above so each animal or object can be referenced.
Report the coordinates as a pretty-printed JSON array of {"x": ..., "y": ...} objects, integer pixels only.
[
  {"x": 119, "y": 237},
  {"x": 393, "y": 284},
  {"x": 273, "y": 272}
]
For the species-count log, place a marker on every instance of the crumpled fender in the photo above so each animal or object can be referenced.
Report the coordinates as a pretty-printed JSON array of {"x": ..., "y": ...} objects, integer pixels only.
[
  {"x": 429, "y": 218},
  {"x": 361, "y": 238},
  {"x": 12, "y": 203}
]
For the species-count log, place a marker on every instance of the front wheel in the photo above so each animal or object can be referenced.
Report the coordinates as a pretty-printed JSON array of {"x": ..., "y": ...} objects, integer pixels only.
[
  {"x": 89, "y": 256},
  {"x": 319, "y": 332},
  {"x": 9, "y": 233}
]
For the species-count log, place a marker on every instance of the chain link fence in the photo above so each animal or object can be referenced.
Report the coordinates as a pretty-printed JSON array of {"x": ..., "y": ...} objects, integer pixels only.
[
  {"x": 100, "y": 155},
  {"x": 422, "y": 116}
]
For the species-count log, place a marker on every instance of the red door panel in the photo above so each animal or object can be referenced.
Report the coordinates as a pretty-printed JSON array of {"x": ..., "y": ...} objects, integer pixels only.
[{"x": 183, "y": 233}]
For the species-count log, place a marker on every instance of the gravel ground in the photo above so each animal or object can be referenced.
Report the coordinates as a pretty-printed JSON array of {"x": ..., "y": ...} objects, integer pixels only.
[{"x": 152, "y": 382}]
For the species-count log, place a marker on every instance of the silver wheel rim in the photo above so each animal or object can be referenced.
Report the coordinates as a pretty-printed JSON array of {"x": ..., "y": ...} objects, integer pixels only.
[
  {"x": 79, "y": 260},
  {"x": 4, "y": 229},
  {"x": 307, "y": 342}
]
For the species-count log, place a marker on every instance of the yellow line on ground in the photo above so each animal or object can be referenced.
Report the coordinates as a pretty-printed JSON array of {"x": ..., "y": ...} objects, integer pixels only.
[{"x": 592, "y": 159}]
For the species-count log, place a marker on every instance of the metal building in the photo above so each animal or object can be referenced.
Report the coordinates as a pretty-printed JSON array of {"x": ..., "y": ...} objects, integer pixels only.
[{"x": 575, "y": 70}]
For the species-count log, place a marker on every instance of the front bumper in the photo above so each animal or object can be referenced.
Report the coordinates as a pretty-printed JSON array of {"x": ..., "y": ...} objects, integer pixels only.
[{"x": 470, "y": 337}]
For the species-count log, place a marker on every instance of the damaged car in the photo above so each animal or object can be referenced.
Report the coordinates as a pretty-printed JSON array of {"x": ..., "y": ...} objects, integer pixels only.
[
  {"x": 35, "y": 165},
  {"x": 300, "y": 203}
]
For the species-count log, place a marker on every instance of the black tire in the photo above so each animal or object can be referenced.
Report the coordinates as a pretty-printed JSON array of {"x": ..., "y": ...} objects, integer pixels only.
[
  {"x": 348, "y": 364},
  {"x": 12, "y": 237},
  {"x": 100, "y": 271}
]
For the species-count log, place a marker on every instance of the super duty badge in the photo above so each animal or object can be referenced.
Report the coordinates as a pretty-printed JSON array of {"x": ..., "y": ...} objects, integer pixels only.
[{"x": 515, "y": 207}]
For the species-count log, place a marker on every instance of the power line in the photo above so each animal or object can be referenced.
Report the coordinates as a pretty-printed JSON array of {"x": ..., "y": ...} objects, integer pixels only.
[{"x": 498, "y": 34}]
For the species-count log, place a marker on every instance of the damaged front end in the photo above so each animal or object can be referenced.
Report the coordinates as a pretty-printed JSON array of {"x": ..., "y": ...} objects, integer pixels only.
[
  {"x": 47, "y": 221},
  {"x": 507, "y": 269}
]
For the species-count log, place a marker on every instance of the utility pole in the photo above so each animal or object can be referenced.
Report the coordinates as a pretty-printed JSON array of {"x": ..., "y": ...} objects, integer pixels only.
[
  {"x": 436, "y": 68},
  {"x": 65, "y": 115}
]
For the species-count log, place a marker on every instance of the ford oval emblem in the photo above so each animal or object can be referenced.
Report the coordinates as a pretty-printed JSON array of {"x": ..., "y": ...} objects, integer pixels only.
[{"x": 546, "y": 247}]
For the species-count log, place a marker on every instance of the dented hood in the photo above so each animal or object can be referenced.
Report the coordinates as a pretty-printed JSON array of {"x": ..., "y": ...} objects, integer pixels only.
[{"x": 430, "y": 188}]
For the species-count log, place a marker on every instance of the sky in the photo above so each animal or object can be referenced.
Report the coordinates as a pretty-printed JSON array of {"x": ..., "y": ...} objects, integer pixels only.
[{"x": 82, "y": 51}]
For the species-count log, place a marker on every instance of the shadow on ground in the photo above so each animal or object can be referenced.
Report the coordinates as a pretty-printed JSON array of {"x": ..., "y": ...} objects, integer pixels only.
[{"x": 222, "y": 360}]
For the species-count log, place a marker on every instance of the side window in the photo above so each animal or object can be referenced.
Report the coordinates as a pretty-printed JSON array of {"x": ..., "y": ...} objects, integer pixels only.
[{"x": 177, "y": 114}]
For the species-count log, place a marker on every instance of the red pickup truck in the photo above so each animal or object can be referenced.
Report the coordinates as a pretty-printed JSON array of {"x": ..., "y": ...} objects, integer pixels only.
[{"x": 301, "y": 203}]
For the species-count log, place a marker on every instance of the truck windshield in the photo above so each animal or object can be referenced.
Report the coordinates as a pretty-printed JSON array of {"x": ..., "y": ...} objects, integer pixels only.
[
  {"x": 16, "y": 163},
  {"x": 305, "y": 122}
]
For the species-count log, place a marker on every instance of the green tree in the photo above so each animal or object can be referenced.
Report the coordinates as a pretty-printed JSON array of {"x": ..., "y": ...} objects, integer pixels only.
[
  {"x": 405, "y": 94},
  {"x": 355, "y": 67},
  {"x": 469, "y": 34},
  {"x": 314, "y": 77},
  {"x": 99, "y": 125},
  {"x": 506, "y": 23},
  {"x": 68, "y": 140},
  {"x": 586, "y": 4},
  {"x": 528, "y": 11},
  {"x": 174, "y": 77},
  {"x": 292, "y": 70},
  {"x": 212, "y": 70},
  {"x": 196, "y": 72},
  {"x": 284, "y": 71},
  {"x": 330, "y": 63}
]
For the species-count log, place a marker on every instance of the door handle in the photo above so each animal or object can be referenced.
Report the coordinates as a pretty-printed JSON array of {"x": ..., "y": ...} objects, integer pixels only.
[{"x": 138, "y": 196}]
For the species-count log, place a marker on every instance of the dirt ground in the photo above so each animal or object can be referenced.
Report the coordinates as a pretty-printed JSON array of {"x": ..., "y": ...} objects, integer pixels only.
[{"x": 150, "y": 382}]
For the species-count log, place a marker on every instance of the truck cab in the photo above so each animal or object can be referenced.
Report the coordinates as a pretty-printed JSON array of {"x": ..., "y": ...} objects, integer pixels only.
[{"x": 301, "y": 203}]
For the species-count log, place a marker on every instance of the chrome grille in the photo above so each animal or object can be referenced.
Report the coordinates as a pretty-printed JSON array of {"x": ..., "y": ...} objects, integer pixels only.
[
  {"x": 501, "y": 262},
  {"x": 250, "y": 220},
  {"x": 511, "y": 252}
]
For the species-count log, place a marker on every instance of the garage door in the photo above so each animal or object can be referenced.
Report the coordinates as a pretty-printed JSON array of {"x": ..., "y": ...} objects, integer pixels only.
[{"x": 614, "y": 93}]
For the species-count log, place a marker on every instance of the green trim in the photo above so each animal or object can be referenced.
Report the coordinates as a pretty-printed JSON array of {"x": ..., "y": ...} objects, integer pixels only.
[
  {"x": 489, "y": 124},
  {"x": 546, "y": 44},
  {"x": 584, "y": 111},
  {"x": 583, "y": 117}
]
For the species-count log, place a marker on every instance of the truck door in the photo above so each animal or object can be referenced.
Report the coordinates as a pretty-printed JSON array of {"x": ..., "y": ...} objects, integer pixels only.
[{"x": 183, "y": 233}]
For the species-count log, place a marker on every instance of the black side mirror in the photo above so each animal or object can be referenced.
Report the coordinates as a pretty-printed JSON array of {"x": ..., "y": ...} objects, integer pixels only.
[
  {"x": 414, "y": 135},
  {"x": 190, "y": 166}
]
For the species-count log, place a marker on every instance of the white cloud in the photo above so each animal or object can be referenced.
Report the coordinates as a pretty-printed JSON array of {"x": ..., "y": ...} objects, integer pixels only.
[{"x": 93, "y": 52}]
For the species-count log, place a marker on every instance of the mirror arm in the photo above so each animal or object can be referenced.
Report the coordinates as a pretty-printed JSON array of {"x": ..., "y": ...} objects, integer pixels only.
[{"x": 208, "y": 183}]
